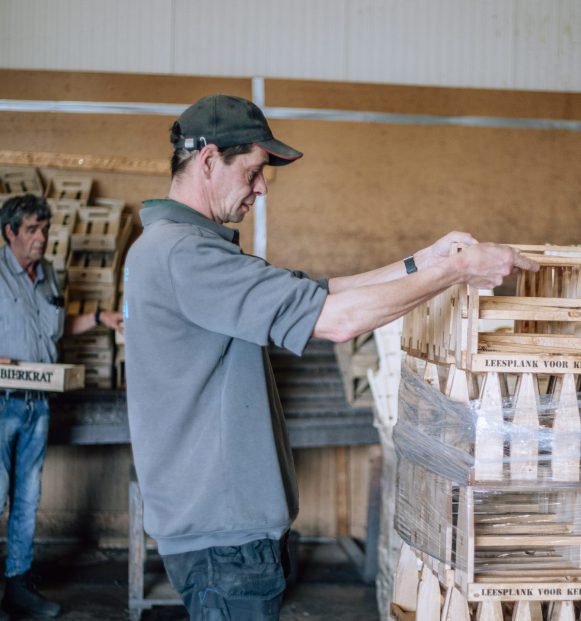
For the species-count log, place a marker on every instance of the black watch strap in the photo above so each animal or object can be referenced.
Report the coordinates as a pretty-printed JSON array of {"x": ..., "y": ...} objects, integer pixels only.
[
  {"x": 410, "y": 265},
  {"x": 98, "y": 317}
]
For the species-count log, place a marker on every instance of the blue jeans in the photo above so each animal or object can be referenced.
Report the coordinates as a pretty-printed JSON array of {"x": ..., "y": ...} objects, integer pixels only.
[
  {"x": 23, "y": 438},
  {"x": 231, "y": 583}
]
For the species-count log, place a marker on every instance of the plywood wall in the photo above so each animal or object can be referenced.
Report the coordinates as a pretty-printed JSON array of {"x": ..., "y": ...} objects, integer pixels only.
[
  {"x": 85, "y": 493},
  {"x": 363, "y": 195}
]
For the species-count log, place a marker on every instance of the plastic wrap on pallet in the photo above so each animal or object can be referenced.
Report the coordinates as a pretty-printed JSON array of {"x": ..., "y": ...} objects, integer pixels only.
[
  {"x": 498, "y": 527},
  {"x": 432, "y": 430},
  {"x": 440, "y": 434}
]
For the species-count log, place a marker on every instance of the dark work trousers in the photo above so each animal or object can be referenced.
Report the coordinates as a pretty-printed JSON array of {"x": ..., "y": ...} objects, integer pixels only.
[{"x": 231, "y": 583}]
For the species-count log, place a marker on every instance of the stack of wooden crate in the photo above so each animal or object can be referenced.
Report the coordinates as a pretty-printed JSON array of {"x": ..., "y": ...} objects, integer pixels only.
[
  {"x": 87, "y": 241},
  {"x": 489, "y": 498},
  {"x": 97, "y": 246}
]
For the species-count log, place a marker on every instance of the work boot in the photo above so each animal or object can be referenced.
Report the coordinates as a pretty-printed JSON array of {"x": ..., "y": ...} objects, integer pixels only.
[{"x": 21, "y": 597}]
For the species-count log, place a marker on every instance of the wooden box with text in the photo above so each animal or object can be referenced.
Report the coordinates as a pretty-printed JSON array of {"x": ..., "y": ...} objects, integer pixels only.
[{"x": 43, "y": 377}]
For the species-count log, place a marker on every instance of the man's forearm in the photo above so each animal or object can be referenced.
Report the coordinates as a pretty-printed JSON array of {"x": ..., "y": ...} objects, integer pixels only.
[{"x": 353, "y": 311}]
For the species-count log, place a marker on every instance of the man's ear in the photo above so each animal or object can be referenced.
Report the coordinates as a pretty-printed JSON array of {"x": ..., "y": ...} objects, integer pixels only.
[
  {"x": 207, "y": 158},
  {"x": 9, "y": 233}
]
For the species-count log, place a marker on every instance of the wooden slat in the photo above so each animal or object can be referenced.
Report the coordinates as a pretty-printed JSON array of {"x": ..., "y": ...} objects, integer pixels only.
[
  {"x": 532, "y": 309},
  {"x": 85, "y": 162},
  {"x": 530, "y": 343},
  {"x": 526, "y": 541}
]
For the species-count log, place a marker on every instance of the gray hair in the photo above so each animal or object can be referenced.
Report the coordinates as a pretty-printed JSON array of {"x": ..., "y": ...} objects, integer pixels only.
[{"x": 16, "y": 208}]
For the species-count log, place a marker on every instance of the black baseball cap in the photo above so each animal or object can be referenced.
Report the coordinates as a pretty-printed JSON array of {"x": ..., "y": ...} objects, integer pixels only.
[{"x": 227, "y": 121}]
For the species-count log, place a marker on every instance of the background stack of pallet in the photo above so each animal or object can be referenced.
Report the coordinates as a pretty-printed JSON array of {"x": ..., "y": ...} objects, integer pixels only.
[
  {"x": 488, "y": 440},
  {"x": 355, "y": 357},
  {"x": 87, "y": 242}
]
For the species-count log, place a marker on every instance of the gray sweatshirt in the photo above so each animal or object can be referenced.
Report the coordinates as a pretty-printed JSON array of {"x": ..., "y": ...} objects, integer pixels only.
[{"x": 209, "y": 438}]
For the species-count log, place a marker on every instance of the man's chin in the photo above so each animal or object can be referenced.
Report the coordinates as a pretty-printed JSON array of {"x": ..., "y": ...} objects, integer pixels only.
[{"x": 235, "y": 218}]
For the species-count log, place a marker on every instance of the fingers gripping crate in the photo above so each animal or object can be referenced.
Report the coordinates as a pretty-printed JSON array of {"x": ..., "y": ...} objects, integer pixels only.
[
  {"x": 489, "y": 494},
  {"x": 545, "y": 318}
]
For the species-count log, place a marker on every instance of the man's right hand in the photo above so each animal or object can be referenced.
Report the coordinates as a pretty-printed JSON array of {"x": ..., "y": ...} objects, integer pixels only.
[
  {"x": 486, "y": 265},
  {"x": 6, "y": 360}
]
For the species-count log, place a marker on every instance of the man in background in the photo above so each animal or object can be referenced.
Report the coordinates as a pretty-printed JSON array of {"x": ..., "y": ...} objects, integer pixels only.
[
  {"x": 209, "y": 438},
  {"x": 32, "y": 320}
]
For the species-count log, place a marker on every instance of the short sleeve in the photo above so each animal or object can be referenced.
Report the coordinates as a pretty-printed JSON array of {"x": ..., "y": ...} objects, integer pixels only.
[{"x": 219, "y": 288}]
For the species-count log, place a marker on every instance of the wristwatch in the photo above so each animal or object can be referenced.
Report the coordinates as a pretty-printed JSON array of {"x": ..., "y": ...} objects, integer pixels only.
[{"x": 410, "y": 265}]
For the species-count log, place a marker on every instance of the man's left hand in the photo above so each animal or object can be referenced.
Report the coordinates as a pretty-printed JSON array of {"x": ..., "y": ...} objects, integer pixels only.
[{"x": 112, "y": 319}]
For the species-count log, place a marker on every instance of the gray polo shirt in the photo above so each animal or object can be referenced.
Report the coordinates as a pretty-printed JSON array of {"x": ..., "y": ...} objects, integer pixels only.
[
  {"x": 31, "y": 321},
  {"x": 208, "y": 433}
]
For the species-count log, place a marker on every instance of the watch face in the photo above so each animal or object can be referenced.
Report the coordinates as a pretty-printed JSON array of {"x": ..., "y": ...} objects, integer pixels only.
[{"x": 410, "y": 265}]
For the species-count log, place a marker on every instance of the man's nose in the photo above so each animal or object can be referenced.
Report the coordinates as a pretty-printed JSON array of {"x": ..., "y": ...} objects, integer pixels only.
[{"x": 260, "y": 185}]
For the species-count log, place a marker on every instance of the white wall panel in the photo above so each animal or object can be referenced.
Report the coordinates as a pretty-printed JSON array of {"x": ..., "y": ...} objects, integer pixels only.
[
  {"x": 298, "y": 39},
  {"x": 547, "y": 44},
  {"x": 417, "y": 42},
  {"x": 85, "y": 35},
  {"x": 532, "y": 44}
]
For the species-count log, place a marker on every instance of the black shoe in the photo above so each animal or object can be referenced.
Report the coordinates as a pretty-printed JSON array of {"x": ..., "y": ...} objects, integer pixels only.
[
  {"x": 21, "y": 596},
  {"x": 4, "y": 616}
]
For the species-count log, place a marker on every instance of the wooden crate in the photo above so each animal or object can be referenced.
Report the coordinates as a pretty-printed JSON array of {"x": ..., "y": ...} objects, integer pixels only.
[
  {"x": 120, "y": 367},
  {"x": 58, "y": 246},
  {"x": 20, "y": 180},
  {"x": 101, "y": 229},
  {"x": 93, "y": 268},
  {"x": 509, "y": 530},
  {"x": 89, "y": 357},
  {"x": 355, "y": 358},
  {"x": 99, "y": 376},
  {"x": 44, "y": 377},
  {"x": 75, "y": 187},
  {"x": 545, "y": 316},
  {"x": 91, "y": 340},
  {"x": 103, "y": 201},
  {"x": 81, "y": 300},
  {"x": 64, "y": 213}
]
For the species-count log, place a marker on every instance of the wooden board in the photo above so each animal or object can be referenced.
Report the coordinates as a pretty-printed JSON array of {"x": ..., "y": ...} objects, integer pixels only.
[
  {"x": 97, "y": 228},
  {"x": 45, "y": 377}
]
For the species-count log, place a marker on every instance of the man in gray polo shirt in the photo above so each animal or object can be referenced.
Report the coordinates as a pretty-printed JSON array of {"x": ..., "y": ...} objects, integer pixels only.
[
  {"x": 209, "y": 438},
  {"x": 32, "y": 320}
]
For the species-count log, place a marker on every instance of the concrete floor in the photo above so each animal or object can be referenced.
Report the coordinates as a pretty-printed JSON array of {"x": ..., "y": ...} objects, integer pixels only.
[{"x": 92, "y": 586}]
